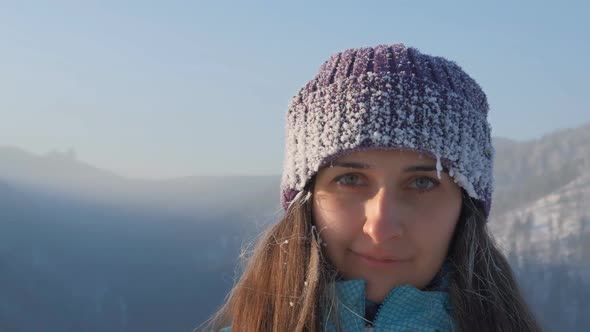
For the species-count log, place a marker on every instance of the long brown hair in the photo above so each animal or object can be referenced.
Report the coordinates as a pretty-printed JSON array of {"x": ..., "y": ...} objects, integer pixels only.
[{"x": 287, "y": 284}]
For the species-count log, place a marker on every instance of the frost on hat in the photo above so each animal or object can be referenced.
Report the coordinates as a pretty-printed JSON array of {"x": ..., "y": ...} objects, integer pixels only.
[{"x": 390, "y": 97}]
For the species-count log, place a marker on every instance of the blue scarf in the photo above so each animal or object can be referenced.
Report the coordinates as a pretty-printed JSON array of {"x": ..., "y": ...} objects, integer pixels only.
[{"x": 405, "y": 308}]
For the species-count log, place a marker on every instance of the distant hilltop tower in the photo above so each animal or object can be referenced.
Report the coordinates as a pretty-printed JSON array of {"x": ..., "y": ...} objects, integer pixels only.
[{"x": 69, "y": 154}]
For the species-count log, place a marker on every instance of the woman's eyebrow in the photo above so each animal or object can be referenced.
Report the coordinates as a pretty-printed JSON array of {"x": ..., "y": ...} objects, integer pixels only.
[
  {"x": 359, "y": 165},
  {"x": 349, "y": 164},
  {"x": 423, "y": 168},
  {"x": 420, "y": 168}
]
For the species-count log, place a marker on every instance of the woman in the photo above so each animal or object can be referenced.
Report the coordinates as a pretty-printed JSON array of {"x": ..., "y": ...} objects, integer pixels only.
[{"x": 387, "y": 187}]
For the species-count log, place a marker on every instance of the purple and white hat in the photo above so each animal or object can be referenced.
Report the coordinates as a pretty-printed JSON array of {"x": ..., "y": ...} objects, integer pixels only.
[{"x": 390, "y": 97}]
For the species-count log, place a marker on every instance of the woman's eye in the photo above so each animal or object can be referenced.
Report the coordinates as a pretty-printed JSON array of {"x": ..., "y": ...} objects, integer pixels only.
[
  {"x": 424, "y": 183},
  {"x": 349, "y": 180}
]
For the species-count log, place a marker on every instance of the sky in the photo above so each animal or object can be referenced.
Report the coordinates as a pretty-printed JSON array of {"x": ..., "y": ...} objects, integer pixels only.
[{"x": 178, "y": 88}]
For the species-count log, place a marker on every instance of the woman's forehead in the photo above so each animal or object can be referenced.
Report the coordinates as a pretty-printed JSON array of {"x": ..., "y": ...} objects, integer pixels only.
[{"x": 386, "y": 155}]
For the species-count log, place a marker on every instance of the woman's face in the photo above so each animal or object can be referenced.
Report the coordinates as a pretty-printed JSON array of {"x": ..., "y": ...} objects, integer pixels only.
[{"x": 386, "y": 217}]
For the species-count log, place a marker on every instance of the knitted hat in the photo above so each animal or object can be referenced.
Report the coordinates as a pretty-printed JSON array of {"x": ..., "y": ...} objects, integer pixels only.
[{"x": 390, "y": 97}]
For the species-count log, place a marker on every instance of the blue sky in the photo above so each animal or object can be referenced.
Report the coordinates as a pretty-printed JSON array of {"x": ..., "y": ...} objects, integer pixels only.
[{"x": 168, "y": 89}]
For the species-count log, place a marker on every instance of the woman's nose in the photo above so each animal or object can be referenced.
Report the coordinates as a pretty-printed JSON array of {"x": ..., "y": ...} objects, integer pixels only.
[{"x": 383, "y": 217}]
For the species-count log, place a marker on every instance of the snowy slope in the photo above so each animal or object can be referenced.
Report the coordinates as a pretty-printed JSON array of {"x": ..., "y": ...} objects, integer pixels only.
[
  {"x": 558, "y": 221},
  {"x": 548, "y": 245}
]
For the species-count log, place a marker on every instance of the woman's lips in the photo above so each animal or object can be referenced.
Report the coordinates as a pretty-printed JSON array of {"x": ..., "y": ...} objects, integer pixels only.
[{"x": 376, "y": 261}]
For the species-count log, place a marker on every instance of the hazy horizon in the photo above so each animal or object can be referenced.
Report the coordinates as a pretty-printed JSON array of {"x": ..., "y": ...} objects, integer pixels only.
[{"x": 75, "y": 155}]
